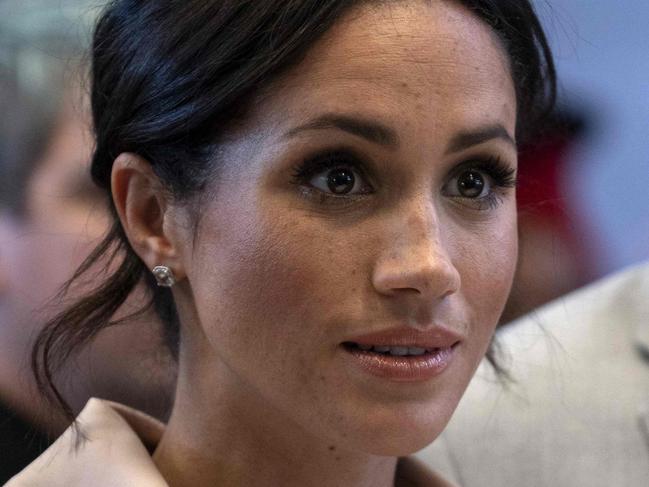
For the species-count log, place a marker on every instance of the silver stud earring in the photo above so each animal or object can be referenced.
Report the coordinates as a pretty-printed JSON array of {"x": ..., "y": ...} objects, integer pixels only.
[{"x": 164, "y": 276}]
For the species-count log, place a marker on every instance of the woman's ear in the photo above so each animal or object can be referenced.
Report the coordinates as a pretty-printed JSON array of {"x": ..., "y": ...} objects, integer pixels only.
[{"x": 148, "y": 218}]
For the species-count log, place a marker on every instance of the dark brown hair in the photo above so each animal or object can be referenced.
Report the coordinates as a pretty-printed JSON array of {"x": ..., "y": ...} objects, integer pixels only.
[{"x": 169, "y": 76}]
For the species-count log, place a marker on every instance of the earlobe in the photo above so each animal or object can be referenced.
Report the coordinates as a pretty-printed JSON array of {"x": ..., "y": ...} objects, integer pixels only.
[{"x": 144, "y": 209}]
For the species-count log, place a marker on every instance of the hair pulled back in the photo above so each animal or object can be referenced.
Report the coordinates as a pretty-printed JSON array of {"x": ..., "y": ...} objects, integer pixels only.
[{"x": 170, "y": 76}]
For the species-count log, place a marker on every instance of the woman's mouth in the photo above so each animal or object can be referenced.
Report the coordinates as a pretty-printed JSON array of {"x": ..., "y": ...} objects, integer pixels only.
[
  {"x": 395, "y": 351},
  {"x": 403, "y": 355}
]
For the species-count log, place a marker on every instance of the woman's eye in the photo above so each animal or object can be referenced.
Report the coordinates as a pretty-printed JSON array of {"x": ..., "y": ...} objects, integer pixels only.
[
  {"x": 482, "y": 184},
  {"x": 338, "y": 181},
  {"x": 470, "y": 184},
  {"x": 334, "y": 176}
]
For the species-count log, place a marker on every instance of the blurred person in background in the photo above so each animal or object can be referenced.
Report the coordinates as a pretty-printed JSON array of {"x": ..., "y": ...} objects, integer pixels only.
[
  {"x": 553, "y": 256},
  {"x": 50, "y": 219},
  {"x": 601, "y": 52}
]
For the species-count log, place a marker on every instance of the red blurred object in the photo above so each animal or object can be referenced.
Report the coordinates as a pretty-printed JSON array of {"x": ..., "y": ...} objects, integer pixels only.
[{"x": 553, "y": 258}]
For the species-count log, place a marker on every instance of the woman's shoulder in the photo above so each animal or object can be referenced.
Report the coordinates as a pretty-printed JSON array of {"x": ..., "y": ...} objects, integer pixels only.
[{"x": 108, "y": 446}]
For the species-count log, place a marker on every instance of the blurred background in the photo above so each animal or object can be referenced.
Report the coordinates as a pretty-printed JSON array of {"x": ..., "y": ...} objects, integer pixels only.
[
  {"x": 51, "y": 217},
  {"x": 583, "y": 203},
  {"x": 584, "y": 206}
]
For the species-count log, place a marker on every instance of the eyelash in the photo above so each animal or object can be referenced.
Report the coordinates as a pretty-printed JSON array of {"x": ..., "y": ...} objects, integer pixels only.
[
  {"x": 303, "y": 172},
  {"x": 501, "y": 175}
]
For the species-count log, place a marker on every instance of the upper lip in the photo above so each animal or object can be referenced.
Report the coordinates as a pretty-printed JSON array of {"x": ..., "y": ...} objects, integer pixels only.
[{"x": 434, "y": 337}]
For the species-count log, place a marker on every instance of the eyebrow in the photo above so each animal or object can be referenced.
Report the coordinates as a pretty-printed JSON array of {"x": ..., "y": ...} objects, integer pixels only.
[
  {"x": 367, "y": 129},
  {"x": 381, "y": 134},
  {"x": 466, "y": 139}
]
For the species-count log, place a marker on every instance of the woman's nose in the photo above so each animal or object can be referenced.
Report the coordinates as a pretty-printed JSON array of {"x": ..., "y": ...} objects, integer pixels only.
[{"x": 416, "y": 261}]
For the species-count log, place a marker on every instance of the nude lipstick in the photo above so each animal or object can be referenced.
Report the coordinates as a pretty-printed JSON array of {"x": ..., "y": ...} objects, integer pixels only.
[{"x": 404, "y": 354}]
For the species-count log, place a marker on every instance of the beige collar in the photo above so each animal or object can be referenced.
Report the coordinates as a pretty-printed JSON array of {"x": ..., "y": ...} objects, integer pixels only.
[
  {"x": 114, "y": 452},
  {"x": 635, "y": 303},
  {"x": 117, "y": 452}
]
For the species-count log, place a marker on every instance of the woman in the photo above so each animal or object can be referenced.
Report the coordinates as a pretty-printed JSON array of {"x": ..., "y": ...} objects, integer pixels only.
[{"x": 328, "y": 189}]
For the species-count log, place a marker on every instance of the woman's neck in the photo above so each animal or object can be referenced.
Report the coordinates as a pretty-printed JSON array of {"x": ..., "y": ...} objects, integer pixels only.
[{"x": 227, "y": 437}]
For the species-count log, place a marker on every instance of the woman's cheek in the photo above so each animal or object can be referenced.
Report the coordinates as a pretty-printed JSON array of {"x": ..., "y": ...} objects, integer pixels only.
[
  {"x": 267, "y": 276},
  {"x": 486, "y": 261}
]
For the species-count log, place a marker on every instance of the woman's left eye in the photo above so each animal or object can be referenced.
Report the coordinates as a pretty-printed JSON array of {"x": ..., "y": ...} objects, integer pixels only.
[
  {"x": 471, "y": 183},
  {"x": 481, "y": 183}
]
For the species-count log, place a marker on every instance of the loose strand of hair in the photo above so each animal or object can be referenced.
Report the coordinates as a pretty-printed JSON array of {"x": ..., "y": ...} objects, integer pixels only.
[{"x": 80, "y": 322}]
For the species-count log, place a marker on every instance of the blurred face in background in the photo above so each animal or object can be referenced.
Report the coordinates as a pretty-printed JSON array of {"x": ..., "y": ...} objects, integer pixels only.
[{"x": 64, "y": 219}]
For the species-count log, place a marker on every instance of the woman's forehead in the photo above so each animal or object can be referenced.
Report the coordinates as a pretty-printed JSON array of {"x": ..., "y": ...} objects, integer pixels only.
[
  {"x": 373, "y": 40},
  {"x": 434, "y": 58}
]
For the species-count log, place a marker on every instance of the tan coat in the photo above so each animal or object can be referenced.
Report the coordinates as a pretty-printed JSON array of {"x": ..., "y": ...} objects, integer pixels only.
[
  {"x": 578, "y": 414},
  {"x": 117, "y": 453}
]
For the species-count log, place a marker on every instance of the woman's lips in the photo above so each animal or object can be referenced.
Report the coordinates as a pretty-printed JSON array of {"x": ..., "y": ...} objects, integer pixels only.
[{"x": 404, "y": 354}]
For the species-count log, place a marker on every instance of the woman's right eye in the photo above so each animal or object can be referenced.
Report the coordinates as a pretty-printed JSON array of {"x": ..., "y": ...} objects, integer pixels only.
[
  {"x": 339, "y": 181},
  {"x": 333, "y": 174}
]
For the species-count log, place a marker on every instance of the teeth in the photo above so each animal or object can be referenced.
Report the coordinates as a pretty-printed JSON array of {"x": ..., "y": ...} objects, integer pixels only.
[
  {"x": 399, "y": 351},
  {"x": 416, "y": 351},
  {"x": 396, "y": 351}
]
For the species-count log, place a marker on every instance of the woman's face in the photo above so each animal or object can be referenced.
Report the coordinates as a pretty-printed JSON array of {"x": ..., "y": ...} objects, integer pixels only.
[{"x": 365, "y": 209}]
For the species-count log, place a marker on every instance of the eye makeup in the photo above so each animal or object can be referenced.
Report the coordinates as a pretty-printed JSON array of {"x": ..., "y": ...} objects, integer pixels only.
[
  {"x": 328, "y": 161},
  {"x": 496, "y": 175}
]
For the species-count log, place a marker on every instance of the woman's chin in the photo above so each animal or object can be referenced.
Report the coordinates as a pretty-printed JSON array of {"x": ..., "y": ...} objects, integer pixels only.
[
  {"x": 400, "y": 445},
  {"x": 400, "y": 448},
  {"x": 399, "y": 436}
]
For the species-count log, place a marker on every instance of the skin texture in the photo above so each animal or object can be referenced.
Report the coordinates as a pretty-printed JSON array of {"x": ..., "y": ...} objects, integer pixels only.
[
  {"x": 274, "y": 276},
  {"x": 65, "y": 218}
]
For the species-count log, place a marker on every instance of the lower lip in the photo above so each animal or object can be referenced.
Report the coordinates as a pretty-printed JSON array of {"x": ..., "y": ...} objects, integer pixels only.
[{"x": 412, "y": 368}]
